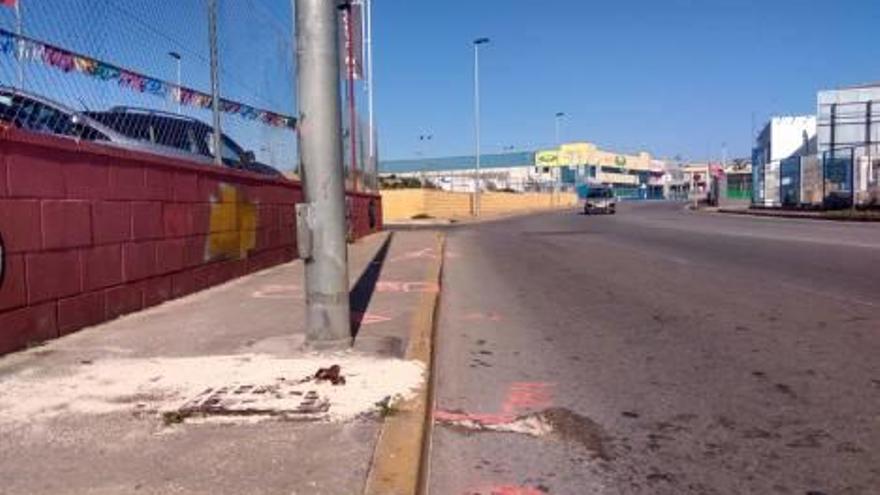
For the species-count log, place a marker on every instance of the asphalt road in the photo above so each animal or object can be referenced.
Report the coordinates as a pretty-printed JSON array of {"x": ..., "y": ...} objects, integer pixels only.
[{"x": 658, "y": 351}]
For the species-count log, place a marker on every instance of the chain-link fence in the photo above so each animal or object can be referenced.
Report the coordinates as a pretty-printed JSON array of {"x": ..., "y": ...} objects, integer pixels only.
[{"x": 138, "y": 75}]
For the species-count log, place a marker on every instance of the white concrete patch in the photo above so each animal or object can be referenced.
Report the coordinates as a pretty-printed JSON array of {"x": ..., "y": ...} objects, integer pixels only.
[
  {"x": 167, "y": 384},
  {"x": 534, "y": 425}
]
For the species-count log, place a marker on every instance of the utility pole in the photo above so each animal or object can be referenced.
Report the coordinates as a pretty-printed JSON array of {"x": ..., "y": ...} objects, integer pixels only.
[
  {"x": 477, "y": 181},
  {"x": 215, "y": 82},
  {"x": 321, "y": 224}
]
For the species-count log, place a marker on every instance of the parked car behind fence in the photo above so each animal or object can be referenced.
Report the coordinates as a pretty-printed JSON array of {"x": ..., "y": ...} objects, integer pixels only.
[{"x": 127, "y": 128}]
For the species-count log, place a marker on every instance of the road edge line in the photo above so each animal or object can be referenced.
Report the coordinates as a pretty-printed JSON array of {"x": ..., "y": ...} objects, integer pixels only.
[{"x": 398, "y": 464}]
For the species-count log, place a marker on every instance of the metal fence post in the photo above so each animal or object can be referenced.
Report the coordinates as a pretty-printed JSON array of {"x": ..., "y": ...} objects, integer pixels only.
[
  {"x": 869, "y": 113},
  {"x": 320, "y": 149},
  {"x": 215, "y": 81},
  {"x": 800, "y": 180},
  {"x": 852, "y": 179},
  {"x": 824, "y": 175}
]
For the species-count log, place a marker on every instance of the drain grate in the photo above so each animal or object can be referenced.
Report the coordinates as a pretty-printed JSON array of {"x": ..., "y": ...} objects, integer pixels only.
[{"x": 281, "y": 399}]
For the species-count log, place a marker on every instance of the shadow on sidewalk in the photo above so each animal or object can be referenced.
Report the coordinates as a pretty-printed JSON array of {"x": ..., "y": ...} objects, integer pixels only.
[{"x": 362, "y": 292}]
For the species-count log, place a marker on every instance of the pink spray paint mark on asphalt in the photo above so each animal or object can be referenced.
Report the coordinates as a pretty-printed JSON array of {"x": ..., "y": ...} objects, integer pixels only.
[
  {"x": 525, "y": 397},
  {"x": 521, "y": 398}
]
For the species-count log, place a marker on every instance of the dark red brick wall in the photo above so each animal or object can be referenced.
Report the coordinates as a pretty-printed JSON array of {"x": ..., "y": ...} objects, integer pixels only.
[{"x": 91, "y": 233}]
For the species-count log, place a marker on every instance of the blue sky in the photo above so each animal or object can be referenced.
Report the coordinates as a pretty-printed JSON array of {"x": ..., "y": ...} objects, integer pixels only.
[{"x": 667, "y": 76}]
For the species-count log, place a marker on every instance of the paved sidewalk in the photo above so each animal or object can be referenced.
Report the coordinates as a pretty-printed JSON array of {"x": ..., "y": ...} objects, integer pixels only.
[
  {"x": 213, "y": 393},
  {"x": 839, "y": 215}
]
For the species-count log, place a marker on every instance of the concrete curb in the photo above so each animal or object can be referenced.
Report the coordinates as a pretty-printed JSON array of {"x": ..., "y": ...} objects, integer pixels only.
[
  {"x": 398, "y": 466},
  {"x": 782, "y": 214}
]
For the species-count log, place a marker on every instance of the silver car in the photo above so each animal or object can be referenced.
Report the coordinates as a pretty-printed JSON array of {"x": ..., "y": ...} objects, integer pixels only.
[
  {"x": 35, "y": 113},
  {"x": 600, "y": 200}
]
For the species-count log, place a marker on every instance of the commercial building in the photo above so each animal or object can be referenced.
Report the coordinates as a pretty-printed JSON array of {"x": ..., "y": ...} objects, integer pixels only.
[
  {"x": 739, "y": 180},
  {"x": 634, "y": 176}
]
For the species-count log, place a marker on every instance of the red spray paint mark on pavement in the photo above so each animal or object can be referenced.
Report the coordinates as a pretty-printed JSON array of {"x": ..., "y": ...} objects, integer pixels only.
[
  {"x": 522, "y": 398},
  {"x": 368, "y": 318},
  {"x": 279, "y": 292},
  {"x": 408, "y": 287},
  {"x": 528, "y": 396},
  {"x": 427, "y": 253}
]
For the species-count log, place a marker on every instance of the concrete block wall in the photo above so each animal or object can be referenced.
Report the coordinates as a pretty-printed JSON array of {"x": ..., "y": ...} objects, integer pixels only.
[
  {"x": 404, "y": 204},
  {"x": 441, "y": 204},
  {"x": 495, "y": 203},
  {"x": 90, "y": 233}
]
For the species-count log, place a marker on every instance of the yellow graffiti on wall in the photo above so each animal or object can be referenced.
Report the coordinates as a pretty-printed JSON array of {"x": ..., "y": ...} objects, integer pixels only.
[{"x": 233, "y": 225}]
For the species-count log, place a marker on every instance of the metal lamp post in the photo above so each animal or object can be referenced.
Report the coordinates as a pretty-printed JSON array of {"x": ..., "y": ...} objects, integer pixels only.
[
  {"x": 477, "y": 181},
  {"x": 321, "y": 224},
  {"x": 176, "y": 56},
  {"x": 559, "y": 116}
]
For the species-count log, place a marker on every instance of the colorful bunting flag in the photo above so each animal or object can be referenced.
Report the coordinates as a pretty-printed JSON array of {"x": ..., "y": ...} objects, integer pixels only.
[{"x": 67, "y": 61}]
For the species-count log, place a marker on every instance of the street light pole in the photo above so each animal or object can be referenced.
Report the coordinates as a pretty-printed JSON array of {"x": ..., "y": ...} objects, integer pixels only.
[
  {"x": 321, "y": 223},
  {"x": 176, "y": 56},
  {"x": 477, "y": 181},
  {"x": 559, "y": 116}
]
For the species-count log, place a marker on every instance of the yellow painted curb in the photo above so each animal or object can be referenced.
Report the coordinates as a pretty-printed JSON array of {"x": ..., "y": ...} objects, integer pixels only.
[{"x": 398, "y": 458}]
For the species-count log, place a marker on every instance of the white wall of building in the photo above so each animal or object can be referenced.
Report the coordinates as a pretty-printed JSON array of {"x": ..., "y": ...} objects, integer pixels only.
[{"x": 791, "y": 136}]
